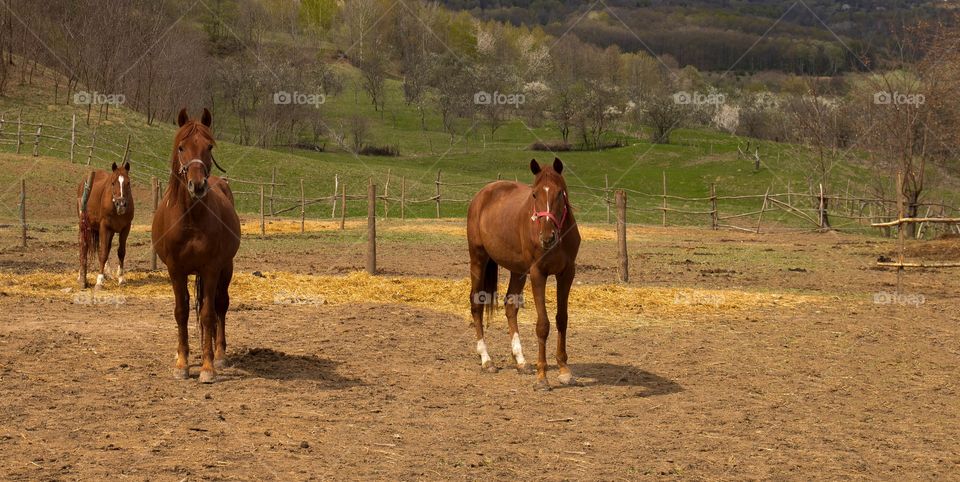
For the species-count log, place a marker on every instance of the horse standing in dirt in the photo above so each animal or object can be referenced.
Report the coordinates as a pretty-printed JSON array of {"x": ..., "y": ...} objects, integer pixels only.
[
  {"x": 529, "y": 230},
  {"x": 196, "y": 231},
  {"x": 104, "y": 207}
]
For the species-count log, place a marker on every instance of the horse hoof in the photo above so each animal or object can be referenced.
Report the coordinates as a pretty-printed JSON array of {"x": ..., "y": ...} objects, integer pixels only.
[
  {"x": 542, "y": 386},
  {"x": 207, "y": 376},
  {"x": 220, "y": 364},
  {"x": 525, "y": 369},
  {"x": 181, "y": 373},
  {"x": 489, "y": 367},
  {"x": 568, "y": 379}
]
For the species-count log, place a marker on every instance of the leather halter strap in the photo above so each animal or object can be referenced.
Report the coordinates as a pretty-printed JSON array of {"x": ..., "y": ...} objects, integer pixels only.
[{"x": 552, "y": 217}]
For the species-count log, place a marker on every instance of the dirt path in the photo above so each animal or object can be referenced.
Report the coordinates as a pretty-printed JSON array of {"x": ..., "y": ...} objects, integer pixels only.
[{"x": 390, "y": 391}]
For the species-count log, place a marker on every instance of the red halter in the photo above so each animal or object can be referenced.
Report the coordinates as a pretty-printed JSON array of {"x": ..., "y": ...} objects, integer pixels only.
[{"x": 549, "y": 215}]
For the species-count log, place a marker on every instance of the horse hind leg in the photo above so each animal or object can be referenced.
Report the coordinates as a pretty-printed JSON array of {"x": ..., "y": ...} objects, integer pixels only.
[
  {"x": 480, "y": 301},
  {"x": 512, "y": 305},
  {"x": 223, "y": 304},
  {"x": 106, "y": 239},
  {"x": 122, "y": 253}
]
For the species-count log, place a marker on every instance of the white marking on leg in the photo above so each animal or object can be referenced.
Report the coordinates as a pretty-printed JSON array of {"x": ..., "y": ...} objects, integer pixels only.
[
  {"x": 517, "y": 350},
  {"x": 482, "y": 351},
  {"x": 99, "y": 280},
  {"x": 120, "y": 274}
]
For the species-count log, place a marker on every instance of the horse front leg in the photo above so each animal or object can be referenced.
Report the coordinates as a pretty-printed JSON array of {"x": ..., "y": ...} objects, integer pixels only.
[
  {"x": 208, "y": 322},
  {"x": 106, "y": 239},
  {"x": 122, "y": 252},
  {"x": 512, "y": 307},
  {"x": 181, "y": 312},
  {"x": 564, "y": 282},
  {"x": 223, "y": 304},
  {"x": 538, "y": 283}
]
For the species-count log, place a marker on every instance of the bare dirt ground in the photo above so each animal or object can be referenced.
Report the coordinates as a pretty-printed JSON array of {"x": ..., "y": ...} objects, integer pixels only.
[{"x": 834, "y": 389}]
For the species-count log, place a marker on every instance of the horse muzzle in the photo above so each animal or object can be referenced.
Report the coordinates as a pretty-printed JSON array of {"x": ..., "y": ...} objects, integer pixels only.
[
  {"x": 120, "y": 205},
  {"x": 197, "y": 189},
  {"x": 550, "y": 242}
]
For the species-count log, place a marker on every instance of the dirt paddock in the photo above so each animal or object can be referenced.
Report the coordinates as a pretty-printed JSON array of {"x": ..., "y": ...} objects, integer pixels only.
[{"x": 835, "y": 386}]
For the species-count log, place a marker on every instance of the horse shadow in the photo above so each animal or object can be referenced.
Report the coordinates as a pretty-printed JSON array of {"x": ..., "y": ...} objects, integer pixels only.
[
  {"x": 625, "y": 375},
  {"x": 277, "y": 365}
]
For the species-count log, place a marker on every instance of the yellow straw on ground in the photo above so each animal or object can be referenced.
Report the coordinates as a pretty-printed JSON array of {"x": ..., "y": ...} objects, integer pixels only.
[{"x": 598, "y": 303}]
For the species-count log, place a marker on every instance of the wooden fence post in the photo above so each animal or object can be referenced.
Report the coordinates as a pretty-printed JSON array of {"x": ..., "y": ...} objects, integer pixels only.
[
  {"x": 386, "y": 195},
  {"x": 623, "y": 274},
  {"x": 23, "y": 213},
  {"x": 73, "y": 135},
  {"x": 19, "y": 129},
  {"x": 336, "y": 190},
  {"x": 403, "y": 197},
  {"x": 372, "y": 228},
  {"x": 663, "y": 210},
  {"x": 273, "y": 184},
  {"x": 36, "y": 142},
  {"x": 343, "y": 205},
  {"x": 821, "y": 209},
  {"x": 438, "y": 193},
  {"x": 126, "y": 150},
  {"x": 263, "y": 226},
  {"x": 901, "y": 233},
  {"x": 606, "y": 195},
  {"x": 303, "y": 209},
  {"x": 93, "y": 141},
  {"x": 714, "y": 215},
  {"x": 762, "y": 209}
]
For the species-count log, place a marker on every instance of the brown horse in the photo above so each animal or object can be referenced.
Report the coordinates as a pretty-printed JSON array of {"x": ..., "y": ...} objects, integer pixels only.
[
  {"x": 105, "y": 209},
  {"x": 529, "y": 230},
  {"x": 196, "y": 231}
]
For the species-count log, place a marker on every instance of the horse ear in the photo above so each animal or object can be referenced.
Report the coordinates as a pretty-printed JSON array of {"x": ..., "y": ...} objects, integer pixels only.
[
  {"x": 182, "y": 117},
  {"x": 534, "y": 166},
  {"x": 126, "y": 167},
  {"x": 206, "y": 119},
  {"x": 558, "y": 165},
  {"x": 114, "y": 167}
]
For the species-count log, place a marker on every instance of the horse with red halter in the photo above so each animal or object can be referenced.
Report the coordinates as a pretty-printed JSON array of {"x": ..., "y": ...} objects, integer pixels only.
[
  {"x": 530, "y": 231},
  {"x": 196, "y": 231},
  {"x": 104, "y": 208}
]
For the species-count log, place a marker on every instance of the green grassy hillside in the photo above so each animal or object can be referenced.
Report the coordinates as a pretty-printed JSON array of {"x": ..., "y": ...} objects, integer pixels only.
[{"x": 695, "y": 159}]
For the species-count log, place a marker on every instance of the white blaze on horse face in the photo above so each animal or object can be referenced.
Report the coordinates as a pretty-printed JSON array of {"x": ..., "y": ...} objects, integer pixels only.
[
  {"x": 547, "y": 189},
  {"x": 518, "y": 350},
  {"x": 121, "y": 186},
  {"x": 482, "y": 351}
]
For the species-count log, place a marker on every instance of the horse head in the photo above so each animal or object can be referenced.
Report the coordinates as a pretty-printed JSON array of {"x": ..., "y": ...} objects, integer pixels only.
[
  {"x": 551, "y": 207},
  {"x": 120, "y": 192},
  {"x": 192, "y": 158}
]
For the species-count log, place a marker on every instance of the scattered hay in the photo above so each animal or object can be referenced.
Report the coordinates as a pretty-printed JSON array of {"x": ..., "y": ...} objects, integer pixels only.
[
  {"x": 597, "y": 303},
  {"x": 446, "y": 227}
]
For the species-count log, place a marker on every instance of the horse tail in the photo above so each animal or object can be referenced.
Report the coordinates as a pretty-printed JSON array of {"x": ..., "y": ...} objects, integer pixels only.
[
  {"x": 89, "y": 238},
  {"x": 198, "y": 294},
  {"x": 490, "y": 276}
]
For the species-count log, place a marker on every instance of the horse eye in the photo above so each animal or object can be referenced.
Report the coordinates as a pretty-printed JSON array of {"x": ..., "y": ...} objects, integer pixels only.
[
  {"x": 534, "y": 196},
  {"x": 210, "y": 147},
  {"x": 180, "y": 148}
]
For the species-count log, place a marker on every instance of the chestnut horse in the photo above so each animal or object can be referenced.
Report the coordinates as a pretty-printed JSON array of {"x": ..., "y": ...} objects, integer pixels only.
[
  {"x": 529, "y": 230},
  {"x": 104, "y": 207},
  {"x": 196, "y": 231}
]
